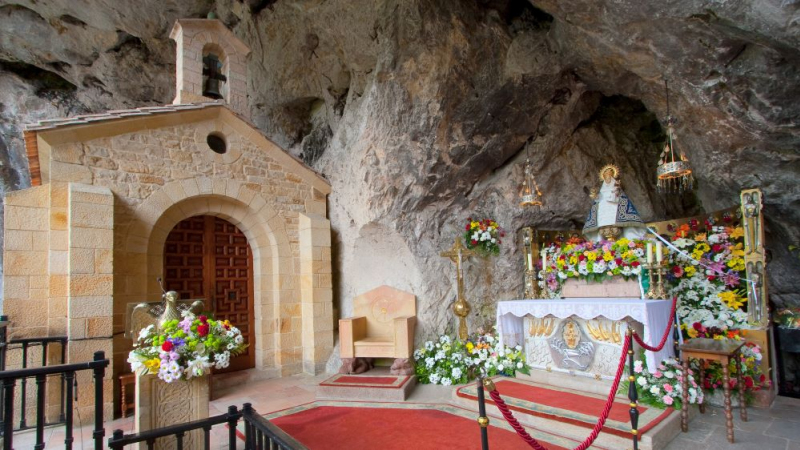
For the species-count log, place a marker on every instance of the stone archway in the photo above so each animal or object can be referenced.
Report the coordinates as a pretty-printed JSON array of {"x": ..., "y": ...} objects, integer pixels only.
[{"x": 239, "y": 205}]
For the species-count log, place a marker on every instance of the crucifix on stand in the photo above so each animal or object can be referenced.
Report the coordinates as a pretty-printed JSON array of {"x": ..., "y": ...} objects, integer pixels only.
[{"x": 460, "y": 307}]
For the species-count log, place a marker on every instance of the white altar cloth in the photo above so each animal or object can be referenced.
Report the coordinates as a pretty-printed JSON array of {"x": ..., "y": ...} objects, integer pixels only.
[{"x": 653, "y": 314}]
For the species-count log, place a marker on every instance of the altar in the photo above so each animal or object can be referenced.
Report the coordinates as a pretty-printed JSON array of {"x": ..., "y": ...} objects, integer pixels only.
[{"x": 583, "y": 336}]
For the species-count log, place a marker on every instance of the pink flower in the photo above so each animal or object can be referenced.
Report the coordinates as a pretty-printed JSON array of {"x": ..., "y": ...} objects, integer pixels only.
[
  {"x": 658, "y": 374},
  {"x": 667, "y": 400},
  {"x": 637, "y": 367},
  {"x": 668, "y": 387}
]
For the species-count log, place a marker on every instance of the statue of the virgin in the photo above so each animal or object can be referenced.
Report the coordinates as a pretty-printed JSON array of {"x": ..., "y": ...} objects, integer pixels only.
[{"x": 612, "y": 214}]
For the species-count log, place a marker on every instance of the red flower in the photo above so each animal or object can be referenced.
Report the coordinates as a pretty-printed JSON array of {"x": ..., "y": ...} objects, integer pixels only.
[
  {"x": 618, "y": 261},
  {"x": 581, "y": 257},
  {"x": 711, "y": 278},
  {"x": 677, "y": 271},
  {"x": 203, "y": 329},
  {"x": 748, "y": 382},
  {"x": 716, "y": 248},
  {"x": 167, "y": 346},
  {"x": 203, "y": 319},
  {"x": 499, "y": 242},
  {"x": 467, "y": 227},
  {"x": 706, "y": 384},
  {"x": 473, "y": 242},
  {"x": 635, "y": 264},
  {"x": 599, "y": 258},
  {"x": 502, "y": 234},
  {"x": 694, "y": 224},
  {"x": 697, "y": 326},
  {"x": 469, "y": 219}
]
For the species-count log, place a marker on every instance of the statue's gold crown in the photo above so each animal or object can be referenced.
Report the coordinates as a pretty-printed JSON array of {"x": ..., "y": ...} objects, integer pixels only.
[{"x": 614, "y": 170}]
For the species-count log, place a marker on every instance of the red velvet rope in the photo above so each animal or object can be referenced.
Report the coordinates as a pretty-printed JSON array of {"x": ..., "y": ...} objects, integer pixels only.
[
  {"x": 666, "y": 332},
  {"x": 509, "y": 416}
]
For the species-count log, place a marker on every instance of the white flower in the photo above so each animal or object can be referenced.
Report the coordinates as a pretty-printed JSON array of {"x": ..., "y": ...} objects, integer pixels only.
[
  {"x": 489, "y": 339},
  {"x": 642, "y": 381},
  {"x": 655, "y": 390},
  {"x": 238, "y": 339},
  {"x": 518, "y": 348},
  {"x": 456, "y": 373},
  {"x": 434, "y": 378},
  {"x": 494, "y": 240},
  {"x": 429, "y": 346},
  {"x": 440, "y": 355},
  {"x": 417, "y": 354},
  {"x": 429, "y": 362},
  {"x": 174, "y": 367},
  {"x": 167, "y": 377},
  {"x": 519, "y": 365},
  {"x": 444, "y": 339},
  {"x": 144, "y": 332},
  {"x": 230, "y": 346},
  {"x": 500, "y": 367},
  {"x": 669, "y": 374},
  {"x": 230, "y": 334},
  {"x": 197, "y": 367},
  {"x": 446, "y": 381}
]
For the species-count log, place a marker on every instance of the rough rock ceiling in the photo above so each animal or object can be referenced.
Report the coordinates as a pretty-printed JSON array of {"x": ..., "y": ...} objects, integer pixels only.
[{"x": 417, "y": 111}]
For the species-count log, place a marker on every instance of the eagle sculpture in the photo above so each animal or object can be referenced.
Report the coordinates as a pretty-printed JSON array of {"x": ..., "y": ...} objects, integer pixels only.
[{"x": 156, "y": 313}]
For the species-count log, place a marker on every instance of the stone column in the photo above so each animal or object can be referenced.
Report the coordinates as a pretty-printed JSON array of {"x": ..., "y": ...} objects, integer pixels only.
[
  {"x": 316, "y": 291},
  {"x": 160, "y": 404}
]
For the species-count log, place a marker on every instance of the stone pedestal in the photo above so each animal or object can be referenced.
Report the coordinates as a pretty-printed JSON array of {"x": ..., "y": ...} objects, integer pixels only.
[
  {"x": 159, "y": 404},
  {"x": 616, "y": 287}
]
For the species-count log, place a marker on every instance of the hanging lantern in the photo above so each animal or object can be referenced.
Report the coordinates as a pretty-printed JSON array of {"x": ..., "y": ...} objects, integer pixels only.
[
  {"x": 529, "y": 193},
  {"x": 674, "y": 172}
]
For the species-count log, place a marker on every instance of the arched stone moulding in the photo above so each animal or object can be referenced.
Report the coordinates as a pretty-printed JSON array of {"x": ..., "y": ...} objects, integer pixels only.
[{"x": 243, "y": 207}]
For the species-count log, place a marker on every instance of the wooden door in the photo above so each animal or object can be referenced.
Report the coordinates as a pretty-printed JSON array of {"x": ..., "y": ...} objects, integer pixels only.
[{"x": 209, "y": 258}]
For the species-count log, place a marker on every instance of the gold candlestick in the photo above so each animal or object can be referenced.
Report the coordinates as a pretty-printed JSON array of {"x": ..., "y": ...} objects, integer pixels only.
[
  {"x": 662, "y": 270},
  {"x": 651, "y": 289},
  {"x": 528, "y": 255}
]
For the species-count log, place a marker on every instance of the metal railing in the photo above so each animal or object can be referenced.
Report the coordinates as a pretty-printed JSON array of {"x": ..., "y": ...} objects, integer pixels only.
[
  {"x": 259, "y": 433},
  {"x": 8, "y": 381}
]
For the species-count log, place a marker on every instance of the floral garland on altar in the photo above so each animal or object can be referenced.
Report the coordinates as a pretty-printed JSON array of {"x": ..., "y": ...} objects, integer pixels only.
[
  {"x": 587, "y": 260},
  {"x": 708, "y": 282}
]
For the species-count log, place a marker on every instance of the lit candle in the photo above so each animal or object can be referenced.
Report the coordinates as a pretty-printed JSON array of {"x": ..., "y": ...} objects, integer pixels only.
[
  {"x": 659, "y": 255},
  {"x": 544, "y": 259},
  {"x": 649, "y": 253},
  {"x": 530, "y": 260}
]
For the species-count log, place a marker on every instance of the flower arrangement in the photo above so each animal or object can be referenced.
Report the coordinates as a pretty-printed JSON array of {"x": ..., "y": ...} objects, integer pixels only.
[
  {"x": 789, "y": 318},
  {"x": 448, "y": 361},
  {"x": 485, "y": 236},
  {"x": 697, "y": 330},
  {"x": 752, "y": 377},
  {"x": 664, "y": 388},
  {"x": 187, "y": 348},
  {"x": 707, "y": 282},
  {"x": 591, "y": 261}
]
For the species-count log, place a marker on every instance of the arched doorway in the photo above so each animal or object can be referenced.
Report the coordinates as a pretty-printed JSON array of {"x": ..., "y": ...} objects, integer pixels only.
[{"x": 209, "y": 258}]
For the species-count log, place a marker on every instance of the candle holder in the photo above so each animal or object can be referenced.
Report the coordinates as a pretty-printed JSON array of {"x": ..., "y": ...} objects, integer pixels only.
[
  {"x": 656, "y": 289},
  {"x": 531, "y": 286}
]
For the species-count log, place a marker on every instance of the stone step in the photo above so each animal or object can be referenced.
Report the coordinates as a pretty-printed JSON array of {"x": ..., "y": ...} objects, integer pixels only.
[{"x": 576, "y": 426}]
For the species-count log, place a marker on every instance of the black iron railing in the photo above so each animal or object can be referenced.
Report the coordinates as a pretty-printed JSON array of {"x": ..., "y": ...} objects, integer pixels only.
[
  {"x": 259, "y": 433},
  {"x": 8, "y": 381},
  {"x": 25, "y": 346}
]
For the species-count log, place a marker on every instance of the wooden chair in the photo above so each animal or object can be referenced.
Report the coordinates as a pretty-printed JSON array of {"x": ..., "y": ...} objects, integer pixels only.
[
  {"x": 723, "y": 352},
  {"x": 383, "y": 328},
  {"x": 125, "y": 380}
]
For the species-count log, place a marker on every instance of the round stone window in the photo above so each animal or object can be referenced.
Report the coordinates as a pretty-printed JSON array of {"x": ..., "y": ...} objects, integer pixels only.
[{"x": 216, "y": 142}]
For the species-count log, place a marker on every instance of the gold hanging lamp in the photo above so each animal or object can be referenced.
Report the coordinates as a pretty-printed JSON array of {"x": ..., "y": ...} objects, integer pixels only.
[
  {"x": 529, "y": 193},
  {"x": 674, "y": 172}
]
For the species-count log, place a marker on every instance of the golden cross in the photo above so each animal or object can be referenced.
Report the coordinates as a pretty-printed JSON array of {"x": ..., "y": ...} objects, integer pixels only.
[{"x": 461, "y": 307}]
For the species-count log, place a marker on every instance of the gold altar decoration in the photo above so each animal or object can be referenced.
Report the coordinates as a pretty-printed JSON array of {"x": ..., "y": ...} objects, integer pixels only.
[
  {"x": 461, "y": 307},
  {"x": 529, "y": 193},
  {"x": 542, "y": 327},
  {"x": 141, "y": 315},
  {"x": 674, "y": 173},
  {"x": 604, "y": 330},
  {"x": 656, "y": 271},
  {"x": 530, "y": 256},
  {"x": 754, "y": 256}
]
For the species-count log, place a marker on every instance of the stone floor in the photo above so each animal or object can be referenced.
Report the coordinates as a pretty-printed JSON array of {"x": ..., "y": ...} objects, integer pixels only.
[{"x": 775, "y": 429}]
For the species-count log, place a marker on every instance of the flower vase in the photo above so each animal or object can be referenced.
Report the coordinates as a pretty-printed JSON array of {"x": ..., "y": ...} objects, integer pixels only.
[{"x": 160, "y": 404}]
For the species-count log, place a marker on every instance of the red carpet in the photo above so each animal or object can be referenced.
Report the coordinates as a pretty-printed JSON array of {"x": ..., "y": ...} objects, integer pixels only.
[
  {"x": 335, "y": 427},
  {"x": 569, "y": 407},
  {"x": 372, "y": 381}
]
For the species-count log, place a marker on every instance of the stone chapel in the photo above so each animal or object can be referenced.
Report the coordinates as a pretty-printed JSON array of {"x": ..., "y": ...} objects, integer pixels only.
[{"x": 191, "y": 193}]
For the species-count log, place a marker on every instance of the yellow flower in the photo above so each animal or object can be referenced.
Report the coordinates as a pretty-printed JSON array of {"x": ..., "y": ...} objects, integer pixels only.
[
  {"x": 607, "y": 256},
  {"x": 719, "y": 337},
  {"x": 573, "y": 260},
  {"x": 591, "y": 256},
  {"x": 152, "y": 364},
  {"x": 689, "y": 271},
  {"x": 696, "y": 254},
  {"x": 737, "y": 233},
  {"x": 702, "y": 247},
  {"x": 474, "y": 225},
  {"x": 700, "y": 237},
  {"x": 623, "y": 242},
  {"x": 692, "y": 332},
  {"x": 736, "y": 264},
  {"x": 731, "y": 299},
  {"x": 470, "y": 346}
]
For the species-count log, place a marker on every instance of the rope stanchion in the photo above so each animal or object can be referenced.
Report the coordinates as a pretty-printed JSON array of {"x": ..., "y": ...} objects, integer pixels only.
[
  {"x": 509, "y": 415},
  {"x": 663, "y": 338}
]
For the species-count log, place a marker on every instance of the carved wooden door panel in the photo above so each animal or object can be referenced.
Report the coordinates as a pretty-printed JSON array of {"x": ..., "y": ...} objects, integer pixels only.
[{"x": 208, "y": 258}]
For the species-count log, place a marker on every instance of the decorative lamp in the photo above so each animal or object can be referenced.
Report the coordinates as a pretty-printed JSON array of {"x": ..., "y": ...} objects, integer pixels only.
[
  {"x": 529, "y": 193},
  {"x": 674, "y": 172}
]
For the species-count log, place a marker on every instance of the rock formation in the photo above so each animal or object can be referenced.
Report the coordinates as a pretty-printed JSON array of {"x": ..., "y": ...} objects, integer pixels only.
[{"x": 418, "y": 111}]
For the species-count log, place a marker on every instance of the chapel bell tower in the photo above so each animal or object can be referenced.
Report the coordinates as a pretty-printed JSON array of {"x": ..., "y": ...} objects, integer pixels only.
[{"x": 211, "y": 64}]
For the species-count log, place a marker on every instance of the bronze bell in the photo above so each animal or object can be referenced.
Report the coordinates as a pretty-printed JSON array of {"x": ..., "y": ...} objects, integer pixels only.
[{"x": 211, "y": 88}]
